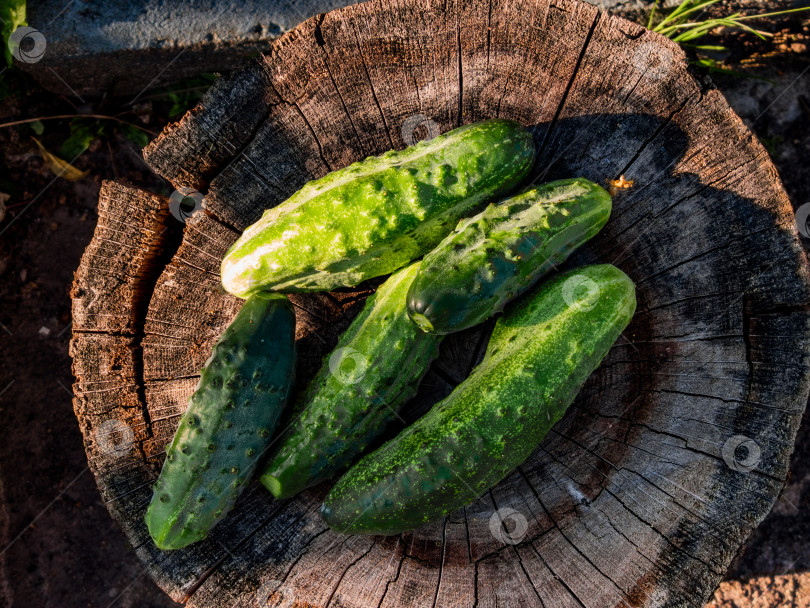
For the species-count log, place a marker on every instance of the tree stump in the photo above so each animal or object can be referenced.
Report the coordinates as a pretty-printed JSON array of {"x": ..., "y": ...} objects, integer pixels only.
[{"x": 676, "y": 448}]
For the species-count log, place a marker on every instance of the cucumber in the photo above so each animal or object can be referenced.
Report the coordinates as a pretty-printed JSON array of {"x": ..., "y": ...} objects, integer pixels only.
[
  {"x": 540, "y": 353},
  {"x": 243, "y": 389},
  {"x": 374, "y": 370},
  {"x": 377, "y": 215},
  {"x": 496, "y": 255}
]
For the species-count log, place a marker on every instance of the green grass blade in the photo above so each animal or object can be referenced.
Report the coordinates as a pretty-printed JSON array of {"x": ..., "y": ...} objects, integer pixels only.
[
  {"x": 775, "y": 13},
  {"x": 679, "y": 15},
  {"x": 652, "y": 15},
  {"x": 705, "y": 47}
]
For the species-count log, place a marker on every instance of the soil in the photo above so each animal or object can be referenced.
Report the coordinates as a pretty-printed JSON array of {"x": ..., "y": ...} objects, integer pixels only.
[{"x": 59, "y": 545}]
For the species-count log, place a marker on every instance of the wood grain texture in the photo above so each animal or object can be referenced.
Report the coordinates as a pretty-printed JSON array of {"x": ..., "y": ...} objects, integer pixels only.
[{"x": 677, "y": 446}]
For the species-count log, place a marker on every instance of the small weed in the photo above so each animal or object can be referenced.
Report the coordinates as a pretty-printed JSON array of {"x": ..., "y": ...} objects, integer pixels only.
[
  {"x": 772, "y": 143},
  {"x": 684, "y": 25}
]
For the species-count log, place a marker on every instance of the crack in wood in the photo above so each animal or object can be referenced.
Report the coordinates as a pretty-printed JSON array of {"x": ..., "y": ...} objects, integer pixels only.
[
  {"x": 373, "y": 90},
  {"x": 637, "y": 515},
  {"x": 441, "y": 563},
  {"x": 558, "y": 578},
  {"x": 342, "y": 101},
  {"x": 460, "y": 78},
  {"x": 201, "y": 180},
  {"x": 659, "y": 129},
  {"x": 541, "y": 148},
  {"x": 396, "y": 577},
  {"x": 622, "y": 471},
  {"x": 343, "y": 574}
]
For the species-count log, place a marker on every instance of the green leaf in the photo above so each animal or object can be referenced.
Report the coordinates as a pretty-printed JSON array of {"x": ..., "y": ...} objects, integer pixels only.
[
  {"x": 81, "y": 135},
  {"x": 771, "y": 144},
  {"x": 179, "y": 105},
  {"x": 37, "y": 127},
  {"x": 12, "y": 16},
  {"x": 138, "y": 137}
]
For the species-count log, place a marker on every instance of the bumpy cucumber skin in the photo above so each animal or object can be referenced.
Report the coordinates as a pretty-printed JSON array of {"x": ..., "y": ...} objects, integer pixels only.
[
  {"x": 337, "y": 416},
  {"x": 498, "y": 254},
  {"x": 540, "y": 354},
  {"x": 379, "y": 214},
  {"x": 243, "y": 389}
]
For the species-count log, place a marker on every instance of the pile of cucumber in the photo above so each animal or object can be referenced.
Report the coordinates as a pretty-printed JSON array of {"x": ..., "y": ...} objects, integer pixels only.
[{"x": 423, "y": 214}]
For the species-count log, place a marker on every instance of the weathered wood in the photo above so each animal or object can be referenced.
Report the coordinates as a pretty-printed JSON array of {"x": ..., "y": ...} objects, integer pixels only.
[
  {"x": 110, "y": 290},
  {"x": 214, "y": 132},
  {"x": 675, "y": 449}
]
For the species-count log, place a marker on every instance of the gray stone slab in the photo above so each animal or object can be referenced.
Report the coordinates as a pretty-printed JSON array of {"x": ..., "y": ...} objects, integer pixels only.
[
  {"x": 124, "y": 48},
  {"x": 93, "y": 46}
]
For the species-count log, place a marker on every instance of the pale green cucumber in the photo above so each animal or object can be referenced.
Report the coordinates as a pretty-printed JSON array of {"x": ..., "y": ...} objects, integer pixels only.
[{"x": 377, "y": 215}]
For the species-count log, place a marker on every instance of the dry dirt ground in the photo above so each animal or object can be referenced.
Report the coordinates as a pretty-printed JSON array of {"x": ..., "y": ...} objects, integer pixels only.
[{"x": 59, "y": 546}]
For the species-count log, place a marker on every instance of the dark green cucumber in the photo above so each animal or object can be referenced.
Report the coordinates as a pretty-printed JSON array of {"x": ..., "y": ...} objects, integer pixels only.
[
  {"x": 243, "y": 389},
  {"x": 541, "y": 352},
  {"x": 498, "y": 254},
  {"x": 377, "y": 215},
  {"x": 374, "y": 370}
]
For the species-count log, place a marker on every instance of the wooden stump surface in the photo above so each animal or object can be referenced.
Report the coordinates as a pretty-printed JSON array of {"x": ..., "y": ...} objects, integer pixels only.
[{"x": 676, "y": 448}]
